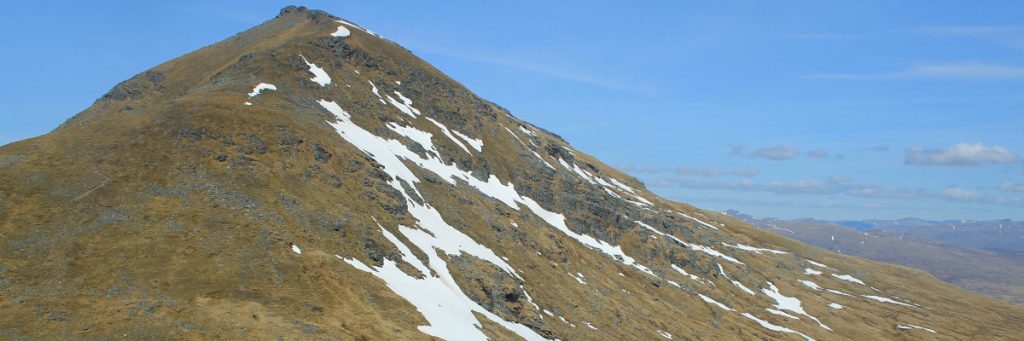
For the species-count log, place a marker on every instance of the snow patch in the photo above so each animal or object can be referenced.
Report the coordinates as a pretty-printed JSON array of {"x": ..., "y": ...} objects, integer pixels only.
[
  {"x": 791, "y": 304},
  {"x": 342, "y": 31},
  {"x": 260, "y": 87},
  {"x": 848, "y": 278},
  {"x": 755, "y": 249},
  {"x": 888, "y": 300},
  {"x": 772, "y": 327},
  {"x": 448, "y": 133},
  {"x": 712, "y": 301},
  {"x": 296, "y": 249},
  {"x": 319, "y": 75},
  {"x": 910, "y": 326},
  {"x": 477, "y": 144},
  {"x": 735, "y": 282},
  {"x": 811, "y": 285}
]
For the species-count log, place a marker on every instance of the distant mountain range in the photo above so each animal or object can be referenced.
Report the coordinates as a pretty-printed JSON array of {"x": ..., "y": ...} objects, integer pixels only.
[
  {"x": 1003, "y": 234},
  {"x": 986, "y": 257}
]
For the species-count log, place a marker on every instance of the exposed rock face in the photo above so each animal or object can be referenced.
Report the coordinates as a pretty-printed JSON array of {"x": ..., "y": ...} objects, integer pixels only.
[{"x": 369, "y": 196}]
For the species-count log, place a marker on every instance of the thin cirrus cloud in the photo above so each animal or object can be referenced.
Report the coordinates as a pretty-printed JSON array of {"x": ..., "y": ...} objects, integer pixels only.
[
  {"x": 1007, "y": 35},
  {"x": 960, "y": 154},
  {"x": 978, "y": 71},
  {"x": 707, "y": 172},
  {"x": 1012, "y": 187},
  {"x": 777, "y": 153},
  {"x": 879, "y": 148},
  {"x": 817, "y": 153}
]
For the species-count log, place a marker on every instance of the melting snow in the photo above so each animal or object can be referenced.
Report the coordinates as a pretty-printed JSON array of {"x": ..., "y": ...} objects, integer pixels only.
[
  {"x": 419, "y": 136},
  {"x": 296, "y": 249},
  {"x": 755, "y": 249},
  {"x": 817, "y": 264},
  {"x": 360, "y": 28},
  {"x": 694, "y": 247},
  {"x": 405, "y": 105},
  {"x": 477, "y": 144},
  {"x": 691, "y": 276},
  {"x": 735, "y": 282},
  {"x": 848, "y": 278},
  {"x": 697, "y": 220},
  {"x": 260, "y": 87},
  {"x": 443, "y": 304},
  {"x": 579, "y": 278},
  {"x": 792, "y": 304},
  {"x": 811, "y": 285},
  {"x": 834, "y": 305},
  {"x": 527, "y": 131},
  {"x": 448, "y": 133},
  {"x": 910, "y": 326},
  {"x": 781, "y": 313},
  {"x": 389, "y": 153},
  {"x": 712, "y": 301},
  {"x": 809, "y": 271},
  {"x": 837, "y": 292},
  {"x": 342, "y": 31},
  {"x": 589, "y": 325},
  {"x": 773, "y": 327},
  {"x": 665, "y": 334},
  {"x": 888, "y": 300},
  {"x": 319, "y": 75}
]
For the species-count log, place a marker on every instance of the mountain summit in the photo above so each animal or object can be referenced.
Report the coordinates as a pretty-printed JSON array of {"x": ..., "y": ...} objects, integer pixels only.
[{"x": 310, "y": 179}]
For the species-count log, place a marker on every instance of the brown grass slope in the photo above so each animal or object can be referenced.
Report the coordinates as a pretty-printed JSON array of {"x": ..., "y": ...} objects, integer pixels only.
[{"x": 167, "y": 210}]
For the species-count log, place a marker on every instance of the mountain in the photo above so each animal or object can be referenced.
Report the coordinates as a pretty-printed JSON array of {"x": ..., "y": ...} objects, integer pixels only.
[
  {"x": 309, "y": 179},
  {"x": 1002, "y": 235},
  {"x": 993, "y": 273}
]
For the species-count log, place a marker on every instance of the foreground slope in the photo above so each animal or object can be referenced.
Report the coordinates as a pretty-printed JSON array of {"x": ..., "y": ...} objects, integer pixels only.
[{"x": 310, "y": 179}]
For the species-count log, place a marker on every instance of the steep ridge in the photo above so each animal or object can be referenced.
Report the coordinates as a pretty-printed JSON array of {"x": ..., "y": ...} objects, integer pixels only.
[{"x": 308, "y": 178}]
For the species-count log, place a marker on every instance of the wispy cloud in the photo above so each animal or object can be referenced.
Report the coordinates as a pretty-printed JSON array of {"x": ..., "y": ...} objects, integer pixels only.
[
  {"x": 817, "y": 153},
  {"x": 693, "y": 171},
  {"x": 879, "y": 148},
  {"x": 1012, "y": 187},
  {"x": 957, "y": 193},
  {"x": 778, "y": 153},
  {"x": 976, "y": 71},
  {"x": 1006, "y": 35},
  {"x": 819, "y": 36},
  {"x": 960, "y": 154},
  {"x": 547, "y": 69}
]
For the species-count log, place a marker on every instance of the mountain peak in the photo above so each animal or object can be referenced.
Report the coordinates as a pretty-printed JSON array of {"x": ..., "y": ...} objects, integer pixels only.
[{"x": 307, "y": 179}]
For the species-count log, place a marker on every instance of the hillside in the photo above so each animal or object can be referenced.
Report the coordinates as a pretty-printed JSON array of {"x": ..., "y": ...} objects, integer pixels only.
[{"x": 310, "y": 179}]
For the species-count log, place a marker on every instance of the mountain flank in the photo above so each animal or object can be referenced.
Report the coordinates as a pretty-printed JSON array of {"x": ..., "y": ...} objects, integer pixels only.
[{"x": 310, "y": 179}]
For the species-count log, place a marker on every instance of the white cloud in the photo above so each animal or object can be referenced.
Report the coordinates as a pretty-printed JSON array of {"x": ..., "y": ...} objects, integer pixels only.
[
  {"x": 957, "y": 193},
  {"x": 780, "y": 152},
  {"x": 960, "y": 154},
  {"x": 879, "y": 148},
  {"x": 817, "y": 153},
  {"x": 1012, "y": 187}
]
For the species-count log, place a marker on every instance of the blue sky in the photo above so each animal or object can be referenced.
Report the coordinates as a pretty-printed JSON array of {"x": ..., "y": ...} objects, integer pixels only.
[{"x": 827, "y": 109}]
